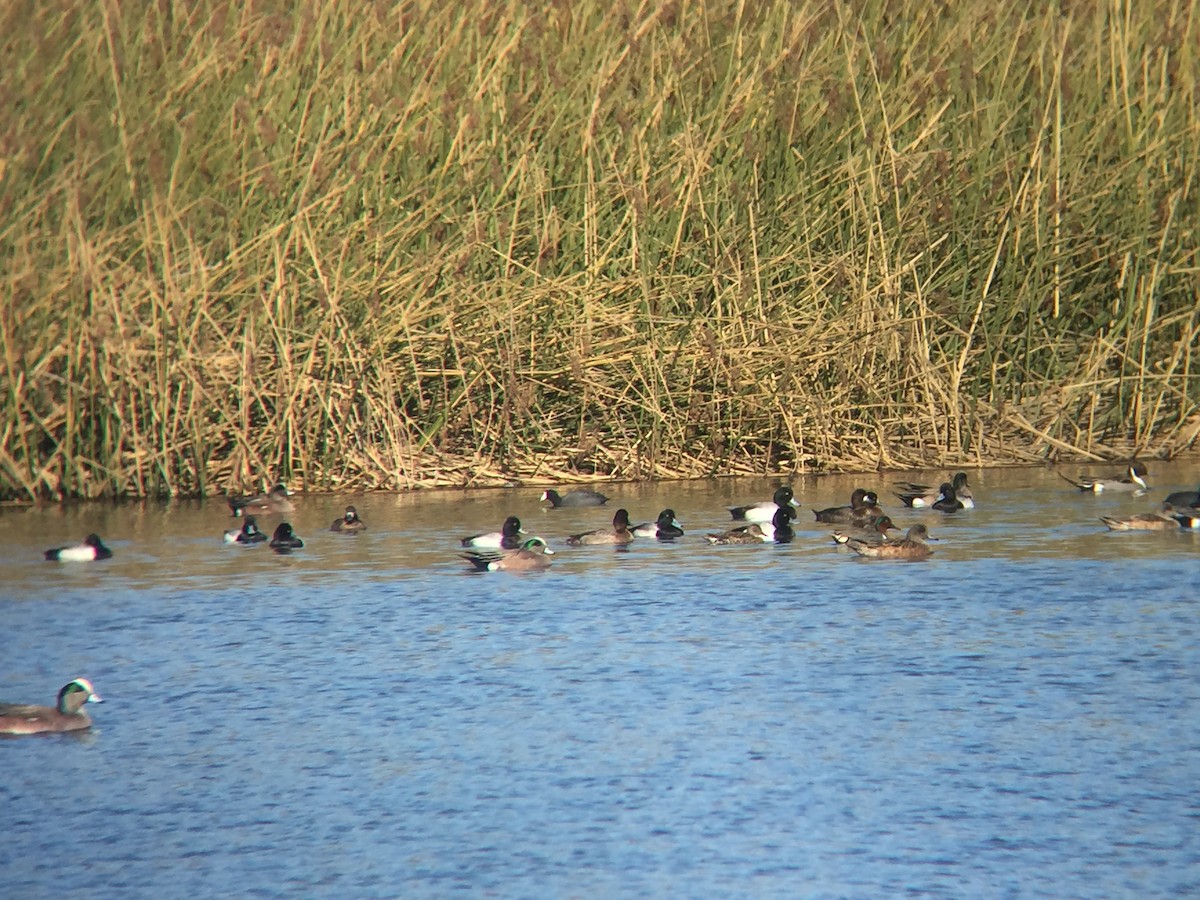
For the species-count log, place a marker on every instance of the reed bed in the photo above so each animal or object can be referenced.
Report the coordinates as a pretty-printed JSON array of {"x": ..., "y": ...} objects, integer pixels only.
[{"x": 365, "y": 246}]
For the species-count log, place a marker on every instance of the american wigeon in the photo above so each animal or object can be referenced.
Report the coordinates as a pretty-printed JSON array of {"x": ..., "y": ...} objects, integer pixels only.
[
  {"x": 507, "y": 538},
  {"x": 764, "y": 512},
  {"x": 873, "y": 530},
  {"x": 349, "y": 523},
  {"x": 91, "y": 548},
  {"x": 67, "y": 715},
  {"x": 1187, "y": 518},
  {"x": 1183, "y": 500},
  {"x": 778, "y": 530},
  {"x": 618, "y": 534},
  {"x": 665, "y": 528},
  {"x": 1134, "y": 479},
  {"x": 911, "y": 546},
  {"x": 919, "y": 496},
  {"x": 573, "y": 498},
  {"x": 273, "y": 503},
  {"x": 1141, "y": 522},
  {"x": 284, "y": 539},
  {"x": 249, "y": 533},
  {"x": 863, "y": 503},
  {"x": 531, "y": 556}
]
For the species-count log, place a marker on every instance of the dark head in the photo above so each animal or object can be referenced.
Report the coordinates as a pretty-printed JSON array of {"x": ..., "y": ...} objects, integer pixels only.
[
  {"x": 511, "y": 527},
  {"x": 784, "y": 496},
  {"x": 960, "y": 481},
  {"x": 621, "y": 520},
  {"x": 351, "y": 515}
]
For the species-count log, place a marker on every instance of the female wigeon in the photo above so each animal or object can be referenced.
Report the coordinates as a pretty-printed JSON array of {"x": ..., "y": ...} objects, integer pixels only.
[
  {"x": 912, "y": 546},
  {"x": 67, "y": 715},
  {"x": 1141, "y": 522},
  {"x": 873, "y": 530},
  {"x": 778, "y": 530},
  {"x": 273, "y": 503}
]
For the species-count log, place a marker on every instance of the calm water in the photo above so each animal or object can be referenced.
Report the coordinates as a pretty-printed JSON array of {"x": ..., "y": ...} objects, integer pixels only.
[{"x": 1015, "y": 717}]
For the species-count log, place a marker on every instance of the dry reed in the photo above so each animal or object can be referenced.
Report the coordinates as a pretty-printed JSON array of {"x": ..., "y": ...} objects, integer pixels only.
[{"x": 367, "y": 246}]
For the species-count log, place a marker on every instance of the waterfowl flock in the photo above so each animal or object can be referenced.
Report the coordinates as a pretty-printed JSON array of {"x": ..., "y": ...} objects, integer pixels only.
[{"x": 864, "y": 529}]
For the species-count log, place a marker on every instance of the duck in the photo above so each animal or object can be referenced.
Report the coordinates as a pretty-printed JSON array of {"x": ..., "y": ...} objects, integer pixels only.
[
  {"x": 1183, "y": 500},
  {"x": 350, "y": 523},
  {"x": 249, "y": 533},
  {"x": 764, "y": 512},
  {"x": 919, "y": 496},
  {"x": 665, "y": 528},
  {"x": 1133, "y": 479},
  {"x": 66, "y": 715},
  {"x": 532, "y": 556},
  {"x": 1141, "y": 522},
  {"x": 778, "y": 530},
  {"x": 274, "y": 502},
  {"x": 874, "y": 530},
  {"x": 574, "y": 498},
  {"x": 91, "y": 548},
  {"x": 863, "y": 503},
  {"x": 285, "y": 539},
  {"x": 1187, "y": 518},
  {"x": 948, "y": 502},
  {"x": 618, "y": 534},
  {"x": 507, "y": 538},
  {"x": 912, "y": 546}
]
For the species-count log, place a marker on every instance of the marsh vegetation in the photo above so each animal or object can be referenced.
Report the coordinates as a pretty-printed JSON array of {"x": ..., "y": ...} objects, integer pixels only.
[{"x": 364, "y": 245}]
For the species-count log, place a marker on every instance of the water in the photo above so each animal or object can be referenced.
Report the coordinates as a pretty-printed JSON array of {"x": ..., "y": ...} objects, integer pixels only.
[{"x": 1014, "y": 717}]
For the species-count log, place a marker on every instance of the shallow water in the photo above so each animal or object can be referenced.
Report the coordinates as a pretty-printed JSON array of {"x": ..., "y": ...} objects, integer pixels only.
[{"x": 1014, "y": 717}]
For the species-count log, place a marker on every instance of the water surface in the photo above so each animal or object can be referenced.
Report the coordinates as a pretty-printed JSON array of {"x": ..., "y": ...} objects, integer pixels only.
[{"x": 1014, "y": 717}]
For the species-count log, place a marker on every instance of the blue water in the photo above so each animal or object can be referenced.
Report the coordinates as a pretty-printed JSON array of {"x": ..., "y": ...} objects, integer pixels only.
[{"x": 1015, "y": 717}]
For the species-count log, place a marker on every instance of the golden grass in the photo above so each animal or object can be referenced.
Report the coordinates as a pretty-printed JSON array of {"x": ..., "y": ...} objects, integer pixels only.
[{"x": 360, "y": 246}]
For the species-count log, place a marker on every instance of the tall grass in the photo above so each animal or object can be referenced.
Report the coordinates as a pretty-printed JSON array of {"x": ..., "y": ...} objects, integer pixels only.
[{"x": 365, "y": 246}]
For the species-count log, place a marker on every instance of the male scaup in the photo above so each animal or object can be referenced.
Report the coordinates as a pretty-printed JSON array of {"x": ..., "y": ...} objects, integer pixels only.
[
  {"x": 91, "y": 548},
  {"x": 764, "y": 512},
  {"x": 507, "y": 538},
  {"x": 665, "y": 528},
  {"x": 249, "y": 533}
]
